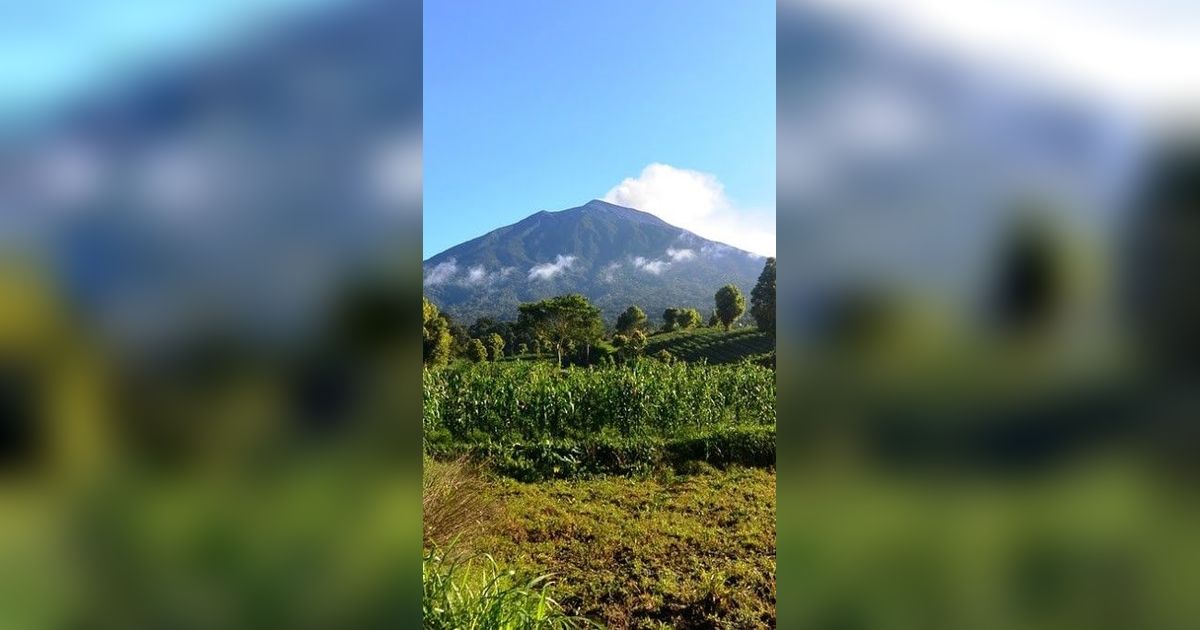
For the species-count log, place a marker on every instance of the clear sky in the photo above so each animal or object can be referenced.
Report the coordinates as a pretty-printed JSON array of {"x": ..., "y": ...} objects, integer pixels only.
[
  {"x": 55, "y": 50},
  {"x": 543, "y": 105}
]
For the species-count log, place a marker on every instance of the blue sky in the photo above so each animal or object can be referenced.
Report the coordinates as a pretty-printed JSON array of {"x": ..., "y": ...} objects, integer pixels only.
[
  {"x": 543, "y": 105},
  {"x": 54, "y": 50}
]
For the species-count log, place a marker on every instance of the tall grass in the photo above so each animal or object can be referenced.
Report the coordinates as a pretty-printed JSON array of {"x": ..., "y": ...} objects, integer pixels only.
[
  {"x": 455, "y": 502},
  {"x": 472, "y": 592}
]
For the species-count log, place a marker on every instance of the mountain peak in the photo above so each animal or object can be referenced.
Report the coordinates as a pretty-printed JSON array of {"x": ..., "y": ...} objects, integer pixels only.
[{"x": 623, "y": 212}]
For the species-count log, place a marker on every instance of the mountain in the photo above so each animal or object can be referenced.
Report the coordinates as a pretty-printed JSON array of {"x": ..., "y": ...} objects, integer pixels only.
[
  {"x": 613, "y": 255},
  {"x": 236, "y": 184}
]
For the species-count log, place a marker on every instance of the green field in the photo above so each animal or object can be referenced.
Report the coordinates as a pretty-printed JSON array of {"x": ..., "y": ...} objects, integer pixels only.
[
  {"x": 646, "y": 490},
  {"x": 712, "y": 345},
  {"x": 534, "y": 421}
]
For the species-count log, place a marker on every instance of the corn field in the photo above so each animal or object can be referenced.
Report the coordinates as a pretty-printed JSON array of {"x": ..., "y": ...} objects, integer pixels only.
[{"x": 535, "y": 401}]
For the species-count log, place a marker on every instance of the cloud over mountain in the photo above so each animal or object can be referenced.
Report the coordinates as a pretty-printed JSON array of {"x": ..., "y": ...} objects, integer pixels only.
[
  {"x": 545, "y": 271},
  {"x": 697, "y": 202}
]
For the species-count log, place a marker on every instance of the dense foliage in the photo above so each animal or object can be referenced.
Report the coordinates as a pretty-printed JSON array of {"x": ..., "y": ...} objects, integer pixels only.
[
  {"x": 435, "y": 332},
  {"x": 630, "y": 320},
  {"x": 536, "y": 401},
  {"x": 680, "y": 318},
  {"x": 476, "y": 351},
  {"x": 730, "y": 304},
  {"x": 564, "y": 322},
  {"x": 762, "y": 299}
]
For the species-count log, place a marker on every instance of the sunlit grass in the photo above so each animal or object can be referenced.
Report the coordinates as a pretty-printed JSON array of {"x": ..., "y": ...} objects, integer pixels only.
[{"x": 472, "y": 591}]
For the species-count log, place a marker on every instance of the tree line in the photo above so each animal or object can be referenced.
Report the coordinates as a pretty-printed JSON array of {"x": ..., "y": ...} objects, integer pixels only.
[{"x": 572, "y": 329}]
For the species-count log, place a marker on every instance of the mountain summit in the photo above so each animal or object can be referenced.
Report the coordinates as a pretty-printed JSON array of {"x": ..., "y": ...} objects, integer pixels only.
[{"x": 613, "y": 255}]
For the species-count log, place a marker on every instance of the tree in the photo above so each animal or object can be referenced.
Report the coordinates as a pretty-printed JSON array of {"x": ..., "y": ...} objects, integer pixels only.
[
  {"x": 680, "y": 318},
  {"x": 461, "y": 338},
  {"x": 762, "y": 299},
  {"x": 485, "y": 327},
  {"x": 476, "y": 351},
  {"x": 495, "y": 345},
  {"x": 563, "y": 321},
  {"x": 670, "y": 319},
  {"x": 631, "y": 345},
  {"x": 435, "y": 334},
  {"x": 632, "y": 319},
  {"x": 730, "y": 304}
]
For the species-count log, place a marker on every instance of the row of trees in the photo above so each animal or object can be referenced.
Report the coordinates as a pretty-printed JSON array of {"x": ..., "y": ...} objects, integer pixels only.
[{"x": 569, "y": 324}]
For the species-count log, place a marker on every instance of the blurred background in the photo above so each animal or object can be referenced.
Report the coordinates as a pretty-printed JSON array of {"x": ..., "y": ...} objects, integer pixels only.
[
  {"x": 209, "y": 278},
  {"x": 988, "y": 409}
]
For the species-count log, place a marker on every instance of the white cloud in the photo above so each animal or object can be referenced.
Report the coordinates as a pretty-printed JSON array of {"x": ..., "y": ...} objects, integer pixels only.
[
  {"x": 545, "y": 271},
  {"x": 650, "y": 266},
  {"x": 478, "y": 275},
  {"x": 1132, "y": 52},
  {"x": 696, "y": 201},
  {"x": 441, "y": 272},
  {"x": 475, "y": 275},
  {"x": 680, "y": 255},
  {"x": 656, "y": 266},
  {"x": 609, "y": 273}
]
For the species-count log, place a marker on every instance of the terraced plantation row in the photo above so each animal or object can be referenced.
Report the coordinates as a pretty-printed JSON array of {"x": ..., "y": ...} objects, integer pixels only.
[{"x": 712, "y": 345}]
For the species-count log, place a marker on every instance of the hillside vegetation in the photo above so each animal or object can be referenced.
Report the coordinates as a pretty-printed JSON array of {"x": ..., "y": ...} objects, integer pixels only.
[{"x": 712, "y": 345}]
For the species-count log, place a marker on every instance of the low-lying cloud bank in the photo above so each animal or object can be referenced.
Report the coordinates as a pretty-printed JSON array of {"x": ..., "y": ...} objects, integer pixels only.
[
  {"x": 448, "y": 273},
  {"x": 545, "y": 271}
]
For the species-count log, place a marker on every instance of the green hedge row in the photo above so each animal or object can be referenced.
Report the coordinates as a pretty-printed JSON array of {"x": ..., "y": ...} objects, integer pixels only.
[{"x": 564, "y": 458}]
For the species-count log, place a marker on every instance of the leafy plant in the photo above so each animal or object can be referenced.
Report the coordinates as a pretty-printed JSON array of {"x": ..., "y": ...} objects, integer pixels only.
[{"x": 474, "y": 592}]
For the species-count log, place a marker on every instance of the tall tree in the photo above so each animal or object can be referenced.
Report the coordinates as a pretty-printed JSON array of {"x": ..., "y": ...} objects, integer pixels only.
[
  {"x": 476, "y": 351},
  {"x": 762, "y": 299},
  {"x": 670, "y": 319},
  {"x": 495, "y": 344},
  {"x": 632, "y": 319},
  {"x": 563, "y": 321},
  {"x": 730, "y": 304},
  {"x": 435, "y": 333}
]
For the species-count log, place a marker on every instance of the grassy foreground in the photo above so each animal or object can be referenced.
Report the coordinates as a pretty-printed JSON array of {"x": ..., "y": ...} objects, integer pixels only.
[{"x": 686, "y": 551}]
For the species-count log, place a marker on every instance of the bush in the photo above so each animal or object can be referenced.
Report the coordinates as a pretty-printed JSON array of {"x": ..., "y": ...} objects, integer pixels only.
[{"x": 750, "y": 446}]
